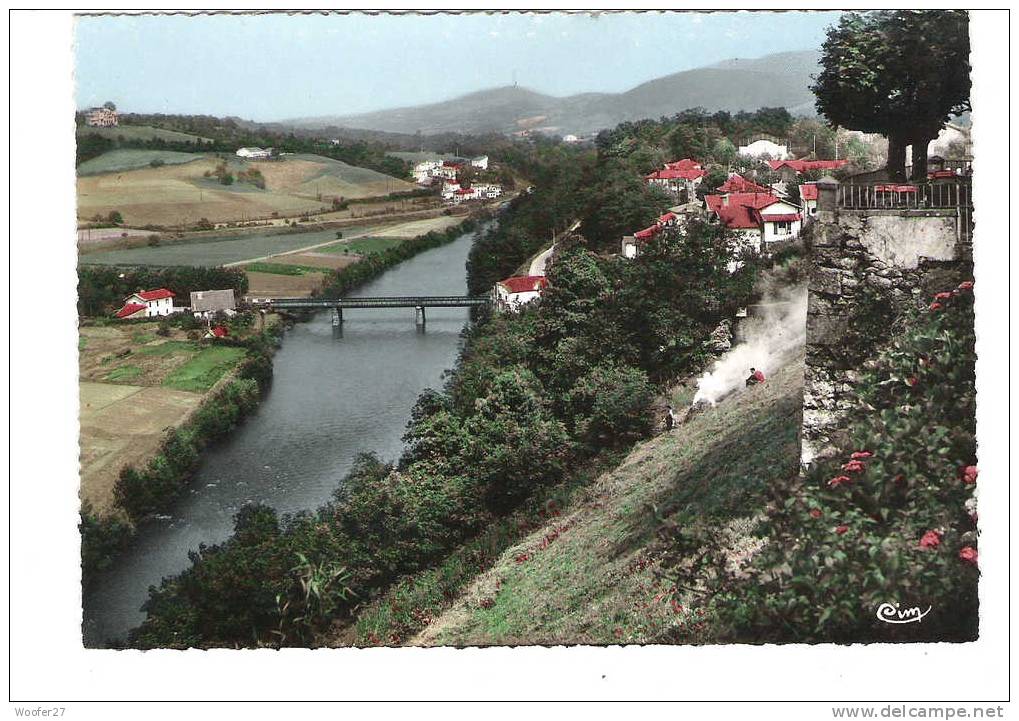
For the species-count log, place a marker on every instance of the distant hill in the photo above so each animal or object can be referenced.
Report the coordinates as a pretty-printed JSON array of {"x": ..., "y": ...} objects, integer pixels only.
[{"x": 779, "y": 80}]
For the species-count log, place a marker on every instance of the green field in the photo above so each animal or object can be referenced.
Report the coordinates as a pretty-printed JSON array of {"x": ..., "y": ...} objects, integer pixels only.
[
  {"x": 141, "y": 132},
  {"x": 124, "y": 374},
  {"x": 364, "y": 246},
  {"x": 282, "y": 269},
  {"x": 213, "y": 251},
  {"x": 117, "y": 161},
  {"x": 201, "y": 372}
]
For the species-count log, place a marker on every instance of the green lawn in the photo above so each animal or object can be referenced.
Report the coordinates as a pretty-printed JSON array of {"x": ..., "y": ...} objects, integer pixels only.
[
  {"x": 123, "y": 159},
  {"x": 364, "y": 246},
  {"x": 124, "y": 374},
  {"x": 201, "y": 372},
  {"x": 283, "y": 269}
]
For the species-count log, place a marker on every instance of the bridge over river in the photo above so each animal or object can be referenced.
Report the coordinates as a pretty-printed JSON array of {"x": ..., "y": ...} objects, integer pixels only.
[{"x": 337, "y": 305}]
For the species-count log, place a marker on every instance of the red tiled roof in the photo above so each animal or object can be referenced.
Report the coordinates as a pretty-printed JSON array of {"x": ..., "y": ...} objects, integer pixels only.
[
  {"x": 780, "y": 217},
  {"x": 157, "y": 294},
  {"x": 673, "y": 173},
  {"x": 129, "y": 309},
  {"x": 808, "y": 191},
  {"x": 738, "y": 184},
  {"x": 666, "y": 217},
  {"x": 647, "y": 232},
  {"x": 524, "y": 283},
  {"x": 740, "y": 212},
  {"x": 941, "y": 174},
  {"x": 802, "y": 166},
  {"x": 684, "y": 164},
  {"x": 220, "y": 331}
]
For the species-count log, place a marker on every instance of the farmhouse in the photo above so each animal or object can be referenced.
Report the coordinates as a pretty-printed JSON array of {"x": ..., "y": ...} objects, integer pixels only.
[
  {"x": 206, "y": 303},
  {"x": 512, "y": 293},
  {"x": 102, "y": 118},
  {"x": 681, "y": 176},
  {"x": 148, "y": 304},
  {"x": 254, "y": 153},
  {"x": 759, "y": 218}
]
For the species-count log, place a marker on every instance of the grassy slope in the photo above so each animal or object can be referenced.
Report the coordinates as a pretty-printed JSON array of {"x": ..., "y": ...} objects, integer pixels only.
[
  {"x": 141, "y": 132},
  {"x": 589, "y": 577},
  {"x": 132, "y": 159}
]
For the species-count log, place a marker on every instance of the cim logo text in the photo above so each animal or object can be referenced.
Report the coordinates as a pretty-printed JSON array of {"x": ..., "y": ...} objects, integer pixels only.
[{"x": 892, "y": 613}]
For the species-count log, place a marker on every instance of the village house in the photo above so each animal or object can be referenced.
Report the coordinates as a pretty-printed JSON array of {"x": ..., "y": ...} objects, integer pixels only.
[
  {"x": 761, "y": 147},
  {"x": 808, "y": 196},
  {"x": 632, "y": 244},
  {"x": 790, "y": 170},
  {"x": 760, "y": 219},
  {"x": 206, "y": 303},
  {"x": 736, "y": 183},
  {"x": 101, "y": 118},
  {"x": 512, "y": 293},
  {"x": 449, "y": 189},
  {"x": 148, "y": 304},
  {"x": 448, "y": 169},
  {"x": 680, "y": 178},
  {"x": 480, "y": 162},
  {"x": 425, "y": 169},
  {"x": 254, "y": 153},
  {"x": 488, "y": 190}
]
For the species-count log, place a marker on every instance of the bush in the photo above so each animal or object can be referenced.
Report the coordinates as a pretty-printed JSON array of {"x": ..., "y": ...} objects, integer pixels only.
[
  {"x": 611, "y": 406},
  {"x": 892, "y": 519}
]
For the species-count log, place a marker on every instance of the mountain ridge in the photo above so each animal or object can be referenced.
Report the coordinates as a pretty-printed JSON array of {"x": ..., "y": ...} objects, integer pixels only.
[{"x": 775, "y": 80}]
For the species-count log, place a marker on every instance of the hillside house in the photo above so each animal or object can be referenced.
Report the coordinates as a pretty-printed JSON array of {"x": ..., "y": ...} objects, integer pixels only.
[
  {"x": 790, "y": 170},
  {"x": 447, "y": 170},
  {"x": 254, "y": 153},
  {"x": 488, "y": 190},
  {"x": 449, "y": 188},
  {"x": 148, "y": 304},
  {"x": 736, "y": 183},
  {"x": 632, "y": 244},
  {"x": 680, "y": 178},
  {"x": 570, "y": 138},
  {"x": 425, "y": 170},
  {"x": 762, "y": 147},
  {"x": 206, "y": 303},
  {"x": 758, "y": 218},
  {"x": 101, "y": 118},
  {"x": 480, "y": 162},
  {"x": 808, "y": 196},
  {"x": 512, "y": 293}
]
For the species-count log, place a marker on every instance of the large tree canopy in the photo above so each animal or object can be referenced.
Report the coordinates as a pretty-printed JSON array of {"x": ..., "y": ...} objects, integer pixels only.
[{"x": 902, "y": 74}]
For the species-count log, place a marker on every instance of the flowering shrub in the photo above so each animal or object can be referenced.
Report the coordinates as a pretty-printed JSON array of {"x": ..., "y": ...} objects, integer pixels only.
[{"x": 892, "y": 519}]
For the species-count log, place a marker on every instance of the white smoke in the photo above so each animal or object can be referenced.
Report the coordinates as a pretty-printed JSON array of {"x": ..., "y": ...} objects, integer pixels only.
[{"x": 769, "y": 338}]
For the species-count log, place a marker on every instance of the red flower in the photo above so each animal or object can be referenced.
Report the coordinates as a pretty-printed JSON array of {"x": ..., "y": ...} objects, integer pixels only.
[
  {"x": 815, "y": 512},
  {"x": 853, "y": 467},
  {"x": 841, "y": 529},
  {"x": 912, "y": 381},
  {"x": 966, "y": 285},
  {"x": 969, "y": 475},
  {"x": 968, "y": 554},
  {"x": 839, "y": 481},
  {"x": 931, "y": 539},
  {"x": 943, "y": 295},
  {"x": 935, "y": 307},
  {"x": 857, "y": 455}
]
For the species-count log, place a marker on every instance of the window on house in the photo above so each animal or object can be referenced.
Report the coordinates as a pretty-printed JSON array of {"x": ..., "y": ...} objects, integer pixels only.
[{"x": 783, "y": 227}]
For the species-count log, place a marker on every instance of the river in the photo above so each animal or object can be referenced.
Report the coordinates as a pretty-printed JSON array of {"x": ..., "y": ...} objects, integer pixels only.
[{"x": 331, "y": 398}]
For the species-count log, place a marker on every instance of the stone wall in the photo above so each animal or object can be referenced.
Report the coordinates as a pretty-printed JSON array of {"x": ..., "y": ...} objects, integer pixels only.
[{"x": 868, "y": 267}]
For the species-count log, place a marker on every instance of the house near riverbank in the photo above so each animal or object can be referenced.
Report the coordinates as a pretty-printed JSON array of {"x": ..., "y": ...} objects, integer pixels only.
[
  {"x": 206, "y": 303},
  {"x": 148, "y": 304},
  {"x": 513, "y": 293}
]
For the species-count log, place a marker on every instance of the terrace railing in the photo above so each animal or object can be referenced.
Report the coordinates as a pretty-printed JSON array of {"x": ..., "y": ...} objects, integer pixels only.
[{"x": 955, "y": 195}]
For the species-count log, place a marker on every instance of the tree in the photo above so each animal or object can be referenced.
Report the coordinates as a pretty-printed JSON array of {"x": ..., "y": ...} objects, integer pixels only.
[
  {"x": 620, "y": 203},
  {"x": 902, "y": 74},
  {"x": 109, "y": 105}
]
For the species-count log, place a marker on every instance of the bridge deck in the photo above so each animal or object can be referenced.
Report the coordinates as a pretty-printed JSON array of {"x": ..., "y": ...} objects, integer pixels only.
[{"x": 411, "y": 301}]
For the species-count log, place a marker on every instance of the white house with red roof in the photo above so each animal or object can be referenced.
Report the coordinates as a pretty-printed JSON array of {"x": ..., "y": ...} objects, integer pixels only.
[
  {"x": 808, "y": 196},
  {"x": 791, "y": 169},
  {"x": 512, "y": 293},
  {"x": 759, "y": 218},
  {"x": 736, "y": 183},
  {"x": 632, "y": 244},
  {"x": 677, "y": 177},
  {"x": 764, "y": 147},
  {"x": 148, "y": 304}
]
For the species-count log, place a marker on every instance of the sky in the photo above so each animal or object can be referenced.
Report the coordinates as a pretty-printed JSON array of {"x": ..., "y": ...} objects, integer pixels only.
[{"x": 275, "y": 66}]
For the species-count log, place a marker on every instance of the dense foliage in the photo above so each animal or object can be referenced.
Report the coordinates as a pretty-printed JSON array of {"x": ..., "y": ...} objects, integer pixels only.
[
  {"x": 892, "y": 517},
  {"x": 900, "y": 73},
  {"x": 102, "y": 289},
  {"x": 534, "y": 395}
]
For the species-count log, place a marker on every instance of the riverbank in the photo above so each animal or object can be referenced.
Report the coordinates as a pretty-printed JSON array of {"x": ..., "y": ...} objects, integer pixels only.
[{"x": 318, "y": 414}]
